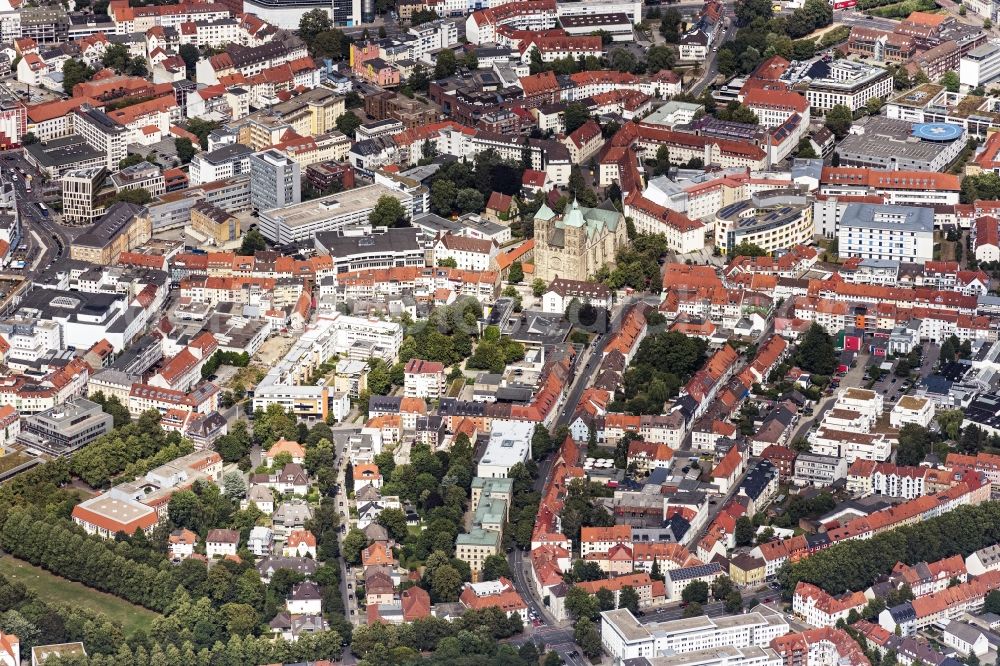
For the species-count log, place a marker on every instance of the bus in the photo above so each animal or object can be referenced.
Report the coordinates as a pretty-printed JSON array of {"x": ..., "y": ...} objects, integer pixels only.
[{"x": 41, "y": 207}]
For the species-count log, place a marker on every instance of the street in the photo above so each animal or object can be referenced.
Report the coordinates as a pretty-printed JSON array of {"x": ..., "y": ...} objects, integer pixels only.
[{"x": 44, "y": 241}]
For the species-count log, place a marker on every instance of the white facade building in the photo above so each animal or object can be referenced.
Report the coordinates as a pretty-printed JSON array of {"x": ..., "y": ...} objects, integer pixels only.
[
  {"x": 623, "y": 637},
  {"x": 899, "y": 233},
  {"x": 980, "y": 66},
  {"x": 510, "y": 443}
]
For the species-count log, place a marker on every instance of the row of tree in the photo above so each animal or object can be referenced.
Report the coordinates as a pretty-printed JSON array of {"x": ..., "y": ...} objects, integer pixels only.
[{"x": 856, "y": 564}]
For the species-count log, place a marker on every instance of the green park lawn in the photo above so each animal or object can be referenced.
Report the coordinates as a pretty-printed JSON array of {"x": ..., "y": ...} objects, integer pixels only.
[{"x": 50, "y": 587}]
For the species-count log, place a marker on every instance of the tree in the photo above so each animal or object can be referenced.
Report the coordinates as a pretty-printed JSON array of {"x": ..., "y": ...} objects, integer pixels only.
[
  {"x": 332, "y": 44},
  {"x": 185, "y": 149},
  {"x": 874, "y": 106},
  {"x": 992, "y": 602},
  {"x": 446, "y": 583},
  {"x": 190, "y": 55},
  {"x": 588, "y": 637},
  {"x": 388, "y": 212},
  {"x": 538, "y": 287},
  {"x": 670, "y": 25},
  {"x": 446, "y": 64},
  {"x": 659, "y": 58},
  {"x": 693, "y": 609},
  {"x": 354, "y": 543},
  {"x": 623, "y": 60},
  {"x": 950, "y": 421},
  {"x": 130, "y": 160},
  {"x": 721, "y": 587},
  {"x": 695, "y": 592},
  {"x": 984, "y": 186},
  {"x": 28, "y": 139},
  {"x": 580, "y": 604},
  {"x": 234, "y": 484},
  {"x": 914, "y": 444},
  {"x": 394, "y": 521},
  {"x": 348, "y": 123},
  {"x": 805, "y": 149},
  {"x": 313, "y": 23},
  {"x": 442, "y": 199},
  {"x": 734, "y": 602},
  {"x": 605, "y": 599},
  {"x": 469, "y": 200},
  {"x": 115, "y": 57},
  {"x": 629, "y": 598},
  {"x": 253, "y": 241},
  {"x": 201, "y": 129},
  {"x": 76, "y": 71},
  {"x": 738, "y": 113},
  {"x": 726, "y": 61},
  {"x": 950, "y": 81},
  {"x": 137, "y": 67},
  {"x": 839, "y": 120},
  {"x": 747, "y": 249},
  {"x": 575, "y": 116},
  {"x": 744, "y": 531},
  {"x": 423, "y": 16},
  {"x": 139, "y": 196},
  {"x": 516, "y": 273},
  {"x": 494, "y": 567},
  {"x": 815, "y": 352}
]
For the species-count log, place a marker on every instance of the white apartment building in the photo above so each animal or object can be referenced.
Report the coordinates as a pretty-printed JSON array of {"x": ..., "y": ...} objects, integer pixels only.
[
  {"x": 220, "y": 164},
  {"x": 819, "y": 471},
  {"x": 623, "y": 637},
  {"x": 469, "y": 254},
  {"x": 349, "y": 337},
  {"x": 432, "y": 36},
  {"x": 30, "y": 340},
  {"x": 423, "y": 379},
  {"x": 897, "y": 233},
  {"x": 980, "y": 66},
  {"x": 214, "y": 34},
  {"x": 911, "y": 409}
]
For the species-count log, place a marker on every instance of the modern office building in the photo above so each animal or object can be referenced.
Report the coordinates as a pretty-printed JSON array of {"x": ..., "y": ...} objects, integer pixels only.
[
  {"x": 846, "y": 82},
  {"x": 102, "y": 133},
  {"x": 625, "y": 638},
  {"x": 79, "y": 194},
  {"x": 899, "y": 233},
  {"x": 66, "y": 428},
  {"x": 302, "y": 221},
  {"x": 121, "y": 228},
  {"x": 980, "y": 66},
  {"x": 366, "y": 247},
  {"x": 274, "y": 181}
]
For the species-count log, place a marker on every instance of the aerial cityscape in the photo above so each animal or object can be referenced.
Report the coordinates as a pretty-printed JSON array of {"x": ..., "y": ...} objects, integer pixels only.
[{"x": 503, "y": 333}]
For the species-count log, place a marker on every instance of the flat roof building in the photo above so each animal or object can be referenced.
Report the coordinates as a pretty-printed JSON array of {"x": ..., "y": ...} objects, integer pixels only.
[
  {"x": 899, "y": 233},
  {"x": 65, "y": 428},
  {"x": 510, "y": 443},
  {"x": 878, "y": 142},
  {"x": 624, "y": 637},
  {"x": 303, "y": 221}
]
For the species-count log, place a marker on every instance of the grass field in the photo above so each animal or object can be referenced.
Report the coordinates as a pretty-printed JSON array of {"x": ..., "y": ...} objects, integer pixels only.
[{"x": 50, "y": 587}]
